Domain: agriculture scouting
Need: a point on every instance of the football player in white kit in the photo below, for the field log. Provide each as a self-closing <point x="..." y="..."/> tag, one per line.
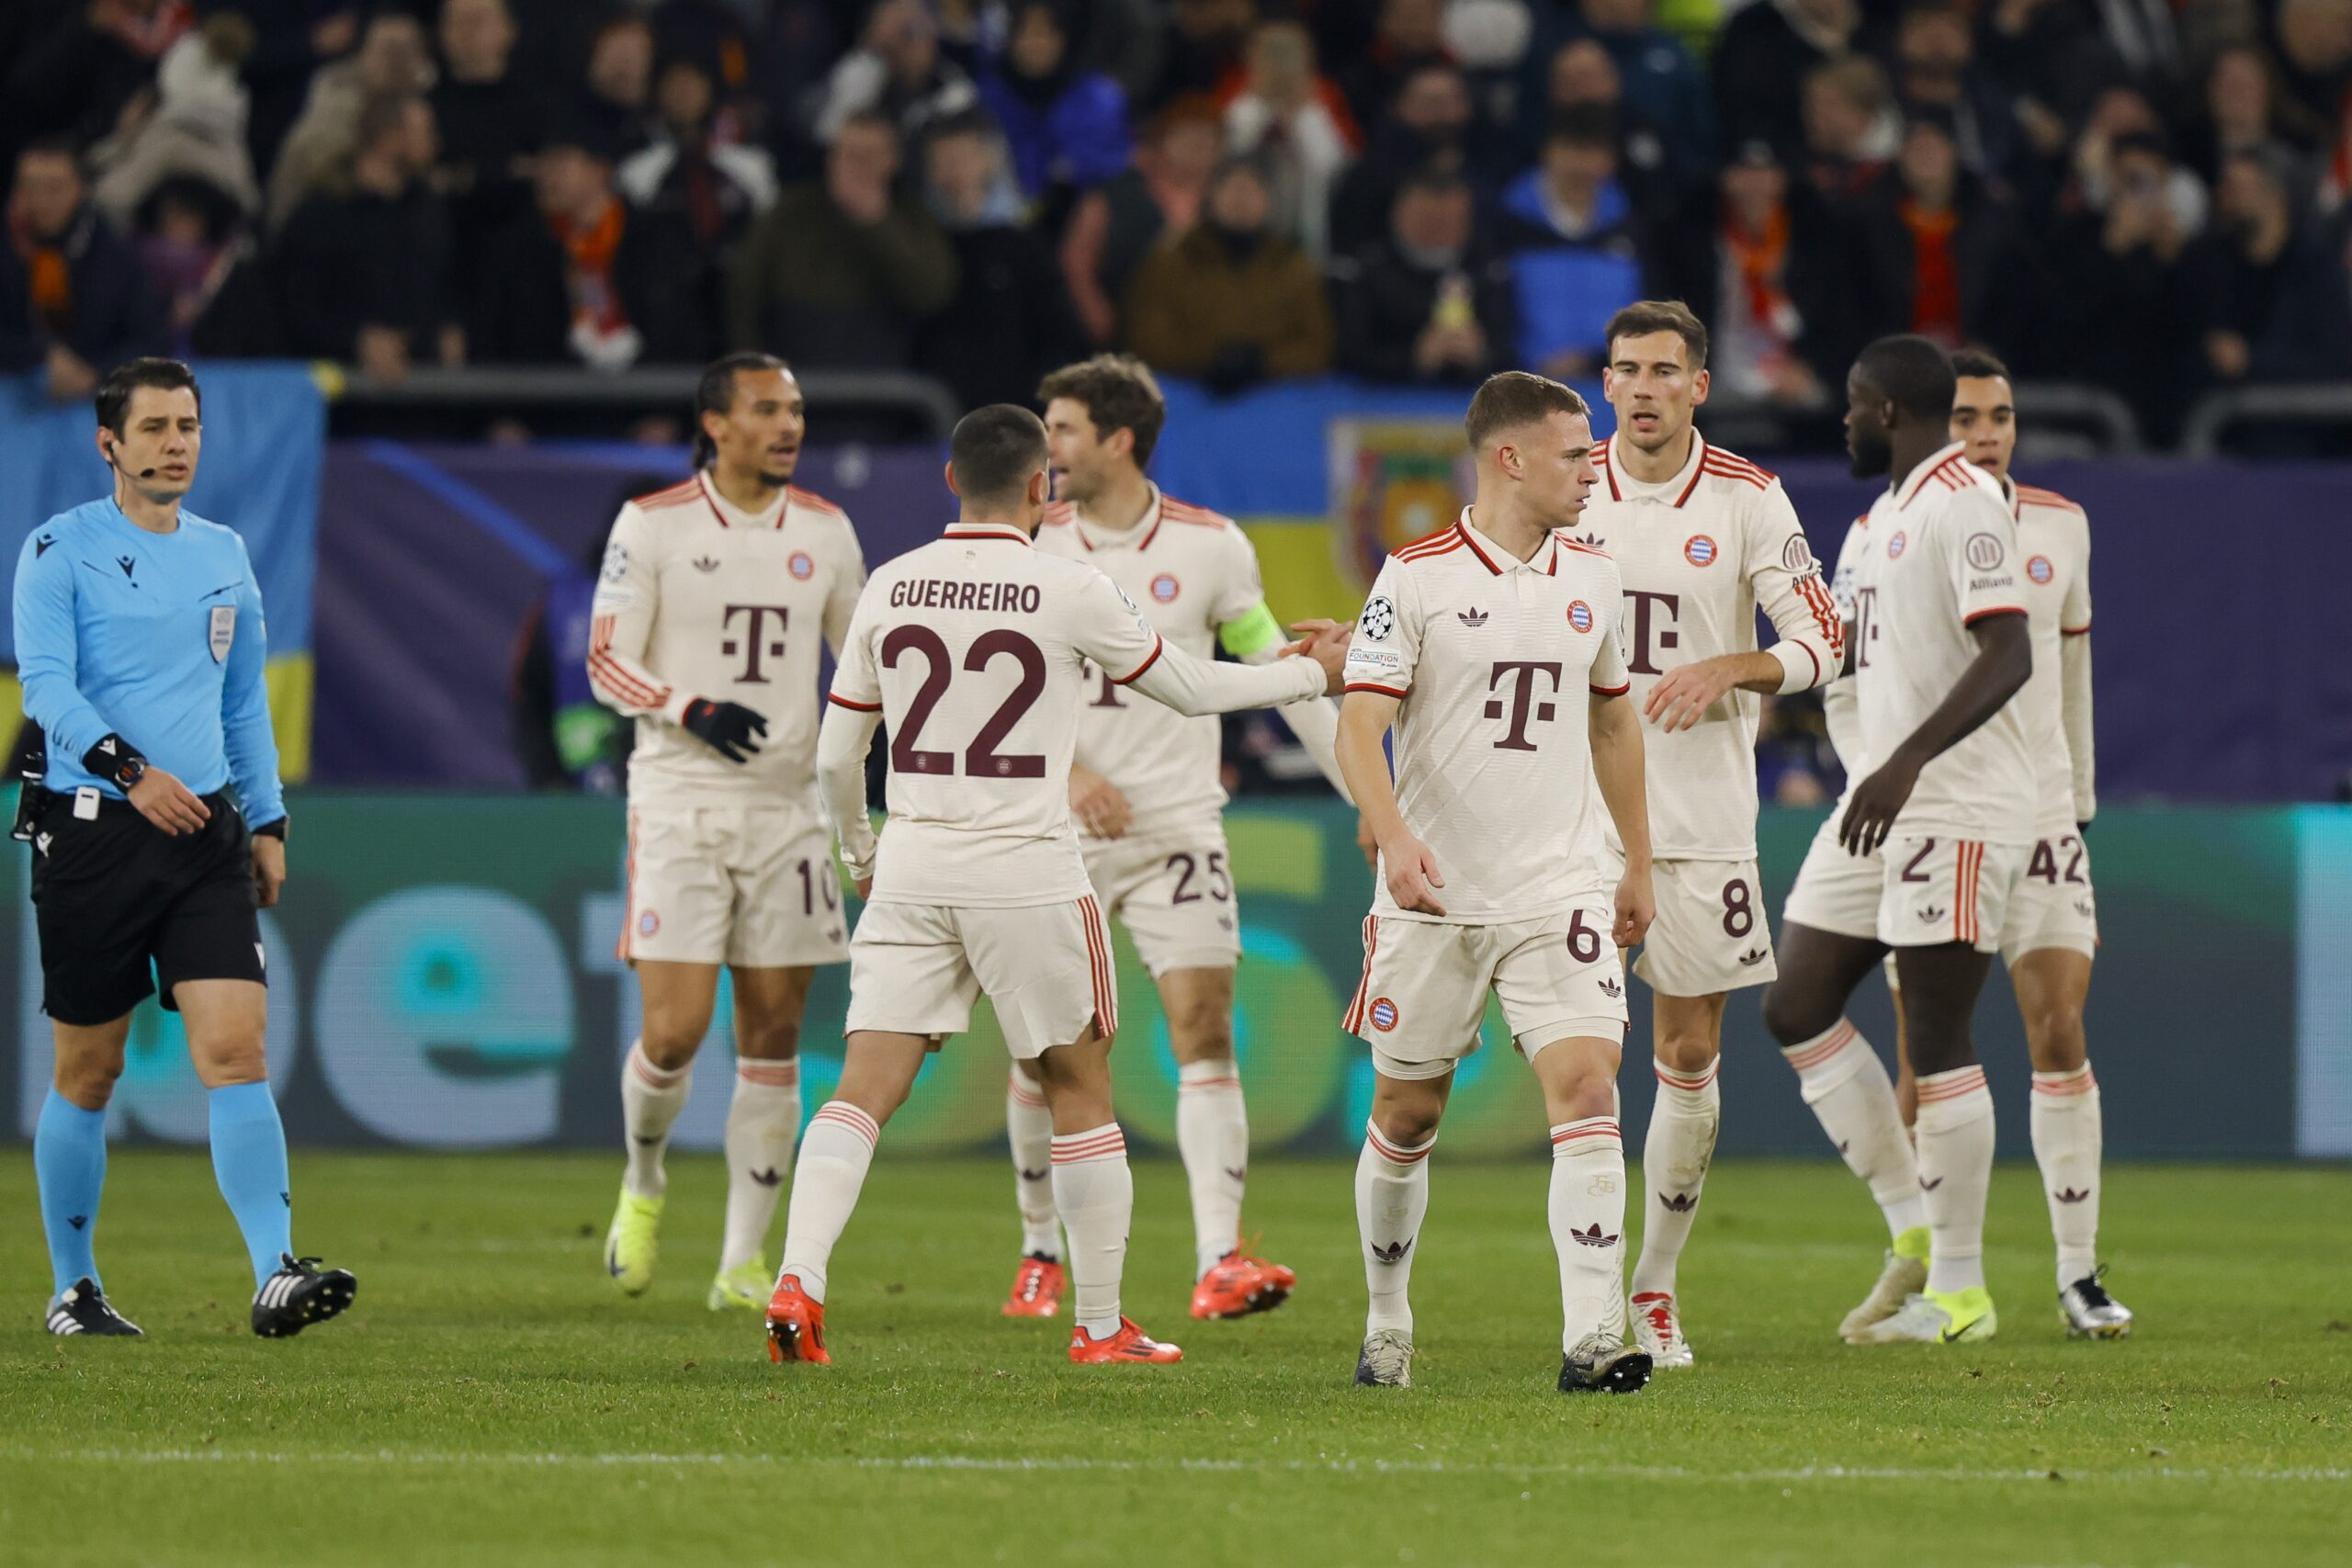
<point x="2051" y="934"/>
<point x="980" y="651"/>
<point x="1145" y="792"/>
<point x="1939" y="644"/>
<point x="1491" y="650"/>
<point x="713" y="596"/>
<point x="1702" y="539"/>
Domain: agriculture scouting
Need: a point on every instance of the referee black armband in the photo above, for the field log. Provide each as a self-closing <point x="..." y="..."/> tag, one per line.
<point x="272" y="830"/>
<point x="116" y="761"/>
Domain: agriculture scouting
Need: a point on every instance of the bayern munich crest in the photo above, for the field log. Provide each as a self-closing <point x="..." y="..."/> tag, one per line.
<point x="1895" y="545"/>
<point x="1580" y="616"/>
<point x="802" y="566"/>
<point x="647" y="923"/>
<point x="1699" y="550"/>
<point x="1382" y="1014"/>
<point x="2039" y="569"/>
<point x="1165" y="588"/>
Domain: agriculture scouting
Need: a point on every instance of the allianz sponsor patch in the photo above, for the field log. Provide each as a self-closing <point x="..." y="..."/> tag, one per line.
<point x="222" y="631"/>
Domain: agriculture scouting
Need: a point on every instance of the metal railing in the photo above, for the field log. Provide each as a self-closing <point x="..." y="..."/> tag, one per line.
<point x="500" y="389"/>
<point x="2321" y="404"/>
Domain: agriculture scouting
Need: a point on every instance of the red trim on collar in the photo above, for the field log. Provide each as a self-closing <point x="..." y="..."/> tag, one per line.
<point x="1600" y="460"/>
<point x="986" y="531"/>
<point x="1474" y="551"/>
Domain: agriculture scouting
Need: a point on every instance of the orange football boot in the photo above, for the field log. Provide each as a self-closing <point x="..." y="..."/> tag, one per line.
<point x="796" y="1326"/>
<point x="1240" y="1284"/>
<point x="1036" y="1287"/>
<point x="1130" y="1344"/>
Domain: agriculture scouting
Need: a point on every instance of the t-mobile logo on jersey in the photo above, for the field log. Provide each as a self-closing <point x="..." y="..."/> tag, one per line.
<point x="1658" y="610"/>
<point x="753" y="644"/>
<point x="1522" y="698"/>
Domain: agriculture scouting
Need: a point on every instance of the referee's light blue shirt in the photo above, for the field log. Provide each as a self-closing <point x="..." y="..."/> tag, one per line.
<point x="156" y="637"/>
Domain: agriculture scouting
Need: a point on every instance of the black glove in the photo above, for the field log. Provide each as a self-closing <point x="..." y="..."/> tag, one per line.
<point x="726" y="727"/>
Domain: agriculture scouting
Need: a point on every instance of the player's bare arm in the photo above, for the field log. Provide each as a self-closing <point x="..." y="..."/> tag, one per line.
<point x="269" y="869"/>
<point x="1100" y="806"/>
<point x="843" y="740"/>
<point x="2003" y="664"/>
<point x="1616" y="739"/>
<point x="1683" y="694"/>
<point x="1413" y="874"/>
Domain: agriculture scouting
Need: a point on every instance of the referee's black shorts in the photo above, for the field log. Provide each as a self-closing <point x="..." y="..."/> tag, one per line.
<point x="121" y="906"/>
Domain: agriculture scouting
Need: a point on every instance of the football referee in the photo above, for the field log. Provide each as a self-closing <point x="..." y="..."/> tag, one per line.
<point x="141" y="646"/>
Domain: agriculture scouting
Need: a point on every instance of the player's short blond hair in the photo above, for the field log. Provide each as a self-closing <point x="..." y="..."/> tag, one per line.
<point x="1511" y="400"/>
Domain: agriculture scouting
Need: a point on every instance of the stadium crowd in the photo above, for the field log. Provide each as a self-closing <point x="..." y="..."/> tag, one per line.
<point x="2148" y="194"/>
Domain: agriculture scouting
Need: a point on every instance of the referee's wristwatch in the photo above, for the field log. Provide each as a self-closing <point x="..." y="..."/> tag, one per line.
<point x="113" y="759"/>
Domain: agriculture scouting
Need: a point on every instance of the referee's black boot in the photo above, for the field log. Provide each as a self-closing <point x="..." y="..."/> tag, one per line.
<point x="299" y="1295"/>
<point x="83" y="1308"/>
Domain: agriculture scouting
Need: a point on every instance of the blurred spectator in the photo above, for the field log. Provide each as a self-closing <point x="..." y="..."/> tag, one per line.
<point x="1297" y="120"/>
<point x="716" y="187"/>
<point x="1851" y="130"/>
<point x="1116" y="226"/>
<point x="2310" y="331"/>
<point x="2240" y="100"/>
<point x="1663" y="87"/>
<point x="195" y="130"/>
<point x="1010" y="322"/>
<point x="1578" y="249"/>
<point x="294" y="41"/>
<point x="1408" y="35"/>
<point x="490" y="118"/>
<point x="1766" y="52"/>
<point x="200" y="261"/>
<point x="2122" y="113"/>
<point x="584" y="279"/>
<point x="2128" y="292"/>
<point x="1766" y="268"/>
<point x="1065" y="127"/>
<point x="1430" y="121"/>
<point x="393" y="57"/>
<point x="1428" y="304"/>
<point x="2053" y="58"/>
<point x="618" y="105"/>
<point x="1795" y="763"/>
<point x="837" y="274"/>
<point x="897" y="67"/>
<point x="563" y="736"/>
<point x="2244" y="259"/>
<point x="2314" y="40"/>
<point x="363" y="265"/>
<point x="1935" y="73"/>
<point x="88" y="71"/>
<point x="1946" y="255"/>
<point x="1584" y="77"/>
<point x="1233" y="302"/>
<point x="1203" y="50"/>
<point x="74" y="301"/>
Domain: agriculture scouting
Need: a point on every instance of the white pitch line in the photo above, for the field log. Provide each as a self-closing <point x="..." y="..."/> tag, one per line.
<point x="986" y="1464"/>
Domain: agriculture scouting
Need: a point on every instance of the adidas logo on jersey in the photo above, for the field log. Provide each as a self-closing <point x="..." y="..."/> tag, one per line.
<point x="1930" y="915"/>
<point x="1591" y="539"/>
<point x="1472" y="617"/>
<point x="705" y="563"/>
<point x="1754" y="955"/>
<point x="1611" y="989"/>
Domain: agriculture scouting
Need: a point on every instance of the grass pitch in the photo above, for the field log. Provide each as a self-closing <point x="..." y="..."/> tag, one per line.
<point x="492" y="1399"/>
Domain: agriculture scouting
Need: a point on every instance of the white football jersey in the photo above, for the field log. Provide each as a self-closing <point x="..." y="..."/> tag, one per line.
<point x="1191" y="571"/>
<point x="1942" y="556"/>
<point x="697" y="598"/>
<point x="2055" y="536"/>
<point x="1840" y="708"/>
<point x="979" y="652"/>
<point x="1699" y="554"/>
<point x="1494" y="659"/>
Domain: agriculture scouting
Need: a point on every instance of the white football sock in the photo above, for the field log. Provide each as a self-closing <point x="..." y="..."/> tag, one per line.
<point x="1955" y="1129"/>
<point x="2068" y="1137"/>
<point x="1392" y="1197"/>
<point x="1843" y="1081"/>
<point x="650" y="1100"/>
<point x="835" y="1155"/>
<point x="1212" y="1134"/>
<point x="763" y="1123"/>
<point x="1095" y="1193"/>
<point x="1029" y="1129"/>
<point x="1587" y="1213"/>
<point x="1675" y="1154"/>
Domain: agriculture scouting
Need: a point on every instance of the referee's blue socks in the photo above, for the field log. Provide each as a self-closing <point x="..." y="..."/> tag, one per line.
<point x="70" y="1159"/>
<point x="249" y="1162"/>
